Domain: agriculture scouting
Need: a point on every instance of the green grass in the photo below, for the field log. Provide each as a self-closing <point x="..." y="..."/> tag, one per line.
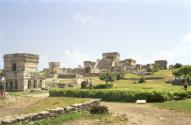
<point x="53" y="102"/>
<point x="159" y="84"/>
<point x="182" y="105"/>
<point x="61" y="119"/>
<point x="132" y="76"/>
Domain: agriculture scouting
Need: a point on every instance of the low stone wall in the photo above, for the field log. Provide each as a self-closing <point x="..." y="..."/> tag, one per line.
<point x="31" y="117"/>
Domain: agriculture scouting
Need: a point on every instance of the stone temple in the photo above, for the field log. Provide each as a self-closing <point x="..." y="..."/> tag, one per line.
<point x="19" y="69"/>
<point x="108" y="61"/>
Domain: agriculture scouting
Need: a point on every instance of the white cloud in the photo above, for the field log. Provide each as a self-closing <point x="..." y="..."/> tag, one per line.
<point x="73" y="58"/>
<point x="85" y="19"/>
<point x="187" y="38"/>
<point x="179" y="53"/>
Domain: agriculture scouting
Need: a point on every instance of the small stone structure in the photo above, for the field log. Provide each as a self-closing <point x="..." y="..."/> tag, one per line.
<point x="108" y="61"/>
<point x="129" y="62"/>
<point x="54" y="69"/>
<point x="162" y="64"/>
<point x="18" y="69"/>
<point x="31" y="117"/>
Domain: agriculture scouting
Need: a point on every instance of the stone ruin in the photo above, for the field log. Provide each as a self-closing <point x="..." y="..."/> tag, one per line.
<point x="21" y="70"/>
<point x="18" y="70"/>
<point x="110" y="62"/>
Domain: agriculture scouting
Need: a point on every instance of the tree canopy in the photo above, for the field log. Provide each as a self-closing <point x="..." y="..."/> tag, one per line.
<point x="183" y="72"/>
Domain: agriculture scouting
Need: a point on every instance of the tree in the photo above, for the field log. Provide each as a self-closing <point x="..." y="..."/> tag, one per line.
<point x="107" y="77"/>
<point x="183" y="72"/>
<point x="177" y="65"/>
<point x="156" y="68"/>
<point x="176" y="73"/>
<point x="119" y="76"/>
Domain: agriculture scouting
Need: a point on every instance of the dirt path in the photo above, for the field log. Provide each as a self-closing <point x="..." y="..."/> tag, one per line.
<point x="14" y="105"/>
<point x="148" y="115"/>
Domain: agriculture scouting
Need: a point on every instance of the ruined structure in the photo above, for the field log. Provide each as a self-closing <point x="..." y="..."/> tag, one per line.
<point x="148" y="67"/>
<point x="19" y="69"/>
<point x="54" y="69"/>
<point x="162" y="64"/>
<point x="108" y="61"/>
<point x="129" y="62"/>
<point x="89" y="64"/>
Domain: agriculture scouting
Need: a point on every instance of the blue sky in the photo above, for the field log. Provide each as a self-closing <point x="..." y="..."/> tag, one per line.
<point x="74" y="31"/>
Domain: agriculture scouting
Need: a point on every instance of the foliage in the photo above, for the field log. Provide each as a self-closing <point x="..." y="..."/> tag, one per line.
<point x="177" y="74"/>
<point x="120" y="76"/>
<point x="103" y="86"/>
<point x="178" y="65"/>
<point x="116" y="95"/>
<point x="99" y="109"/>
<point x="142" y="80"/>
<point x="108" y="77"/>
<point x="156" y="67"/>
<point x="183" y="72"/>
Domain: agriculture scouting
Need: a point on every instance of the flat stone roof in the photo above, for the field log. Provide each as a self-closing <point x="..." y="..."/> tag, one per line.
<point x="26" y="55"/>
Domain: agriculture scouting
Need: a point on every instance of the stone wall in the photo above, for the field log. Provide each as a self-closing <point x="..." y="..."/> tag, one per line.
<point x="31" y="117"/>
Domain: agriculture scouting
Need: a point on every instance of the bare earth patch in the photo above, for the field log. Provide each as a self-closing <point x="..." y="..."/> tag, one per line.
<point x="146" y="114"/>
<point x="14" y="105"/>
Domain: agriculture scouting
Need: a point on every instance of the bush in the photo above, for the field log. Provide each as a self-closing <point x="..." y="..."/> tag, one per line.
<point x="116" y="95"/>
<point x="103" y="86"/>
<point x="142" y="80"/>
<point x="182" y="94"/>
<point x="108" y="77"/>
<point x="99" y="110"/>
<point x="119" y="76"/>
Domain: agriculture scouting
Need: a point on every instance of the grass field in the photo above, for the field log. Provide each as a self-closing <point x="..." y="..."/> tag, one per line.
<point x="159" y="84"/>
<point x="182" y="105"/>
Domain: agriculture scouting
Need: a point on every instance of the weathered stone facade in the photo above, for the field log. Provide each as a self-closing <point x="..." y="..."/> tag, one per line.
<point x="108" y="61"/>
<point x="129" y="62"/>
<point x="18" y="69"/>
<point x="89" y="63"/>
<point x="54" y="70"/>
<point x="162" y="64"/>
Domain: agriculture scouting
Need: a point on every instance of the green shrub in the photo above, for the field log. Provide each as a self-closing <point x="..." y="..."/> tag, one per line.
<point x="103" y="86"/>
<point x="142" y="80"/>
<point x="116" y="95"/>
<point x="108" y="77"/>
<point x="119" y="76"/>
<point x="182" y="94"/>
<point x="99" y="109"/>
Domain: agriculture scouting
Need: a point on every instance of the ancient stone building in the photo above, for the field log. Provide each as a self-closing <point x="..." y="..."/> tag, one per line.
<point x="18" y="69"/>
<point x="138" y="66"/>
<point x="161" y="63"/>
<point x="147" y="67"/>
<point x="108" y="61"/>
<point x="54" y="69"/>
<point x="89" y="63"/>
<point x="129" y="62"/>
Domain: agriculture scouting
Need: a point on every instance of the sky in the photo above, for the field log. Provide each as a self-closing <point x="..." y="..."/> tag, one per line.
<point x="71" y="31"/>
